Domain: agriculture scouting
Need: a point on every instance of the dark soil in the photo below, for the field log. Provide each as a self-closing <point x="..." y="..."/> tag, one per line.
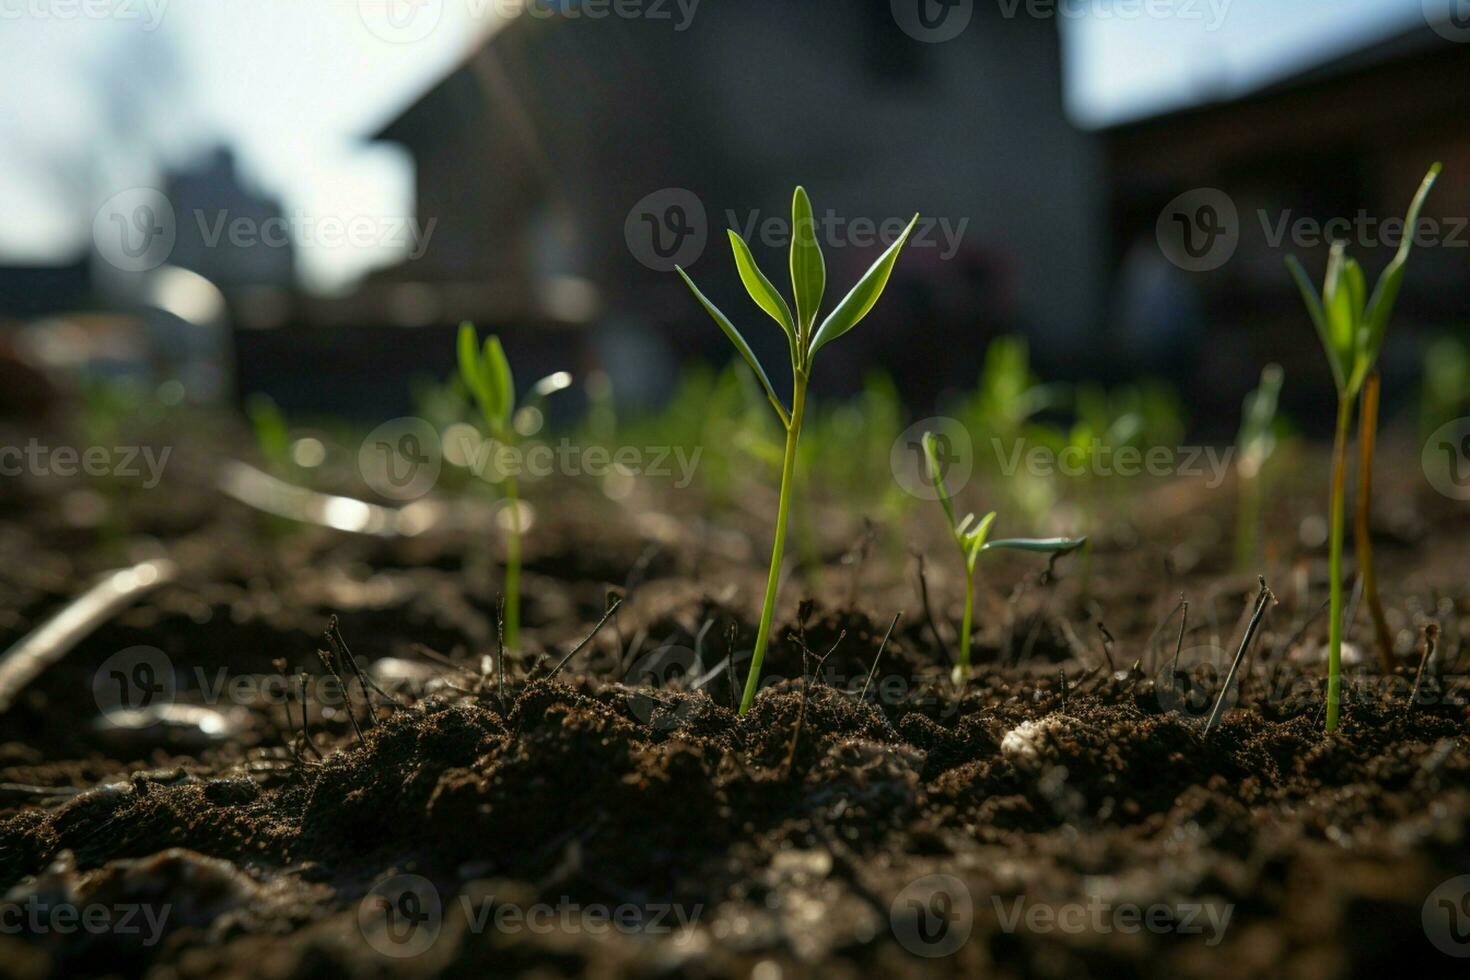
<point x="1064" y="815"/>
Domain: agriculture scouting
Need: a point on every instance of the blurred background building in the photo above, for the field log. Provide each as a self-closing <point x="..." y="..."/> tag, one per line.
<point x="343" y="186"/>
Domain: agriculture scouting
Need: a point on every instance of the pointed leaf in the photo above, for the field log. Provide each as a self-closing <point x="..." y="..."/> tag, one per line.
<point x="761" y="290"/>
<point x="974" y="542"/>
<point x="808" y="269"/>
<point x="1037" y="544"/>
<point x="863" y="296"/>
<point x="1319" y="320"/>
<point x="498" y="378"/>
<point x="740" y="345"/>
<point x="1386" y="292"/>
<point x="1337" y="300"/>
<point x="469" y="365"/>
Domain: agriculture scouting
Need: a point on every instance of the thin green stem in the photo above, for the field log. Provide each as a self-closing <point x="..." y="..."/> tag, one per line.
<point x="788" y="479"/>
<point x="969" y="619"/>
<point x="1334" y="560"/>
<point x="513" y="565"/>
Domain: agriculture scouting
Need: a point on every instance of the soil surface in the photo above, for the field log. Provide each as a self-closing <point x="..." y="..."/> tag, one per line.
<point x="1064" y="813"/>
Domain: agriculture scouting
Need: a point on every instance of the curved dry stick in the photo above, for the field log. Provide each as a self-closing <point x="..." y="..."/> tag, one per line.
<point x="55" y="638"/>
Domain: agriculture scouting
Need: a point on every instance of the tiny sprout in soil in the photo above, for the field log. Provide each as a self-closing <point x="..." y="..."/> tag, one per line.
<point x="486" y="373"/>
<point x="1351" y="326"/>
<point x="970" y="537"/>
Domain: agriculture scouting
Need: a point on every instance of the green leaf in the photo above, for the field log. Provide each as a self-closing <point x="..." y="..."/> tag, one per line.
<point x="1319" y="320"/>
<point x="761" y="290"/>
<point x="808" y="269"/>
<point x="498" y="377"/>
<point x="931" y="457"/>
<point x="1342" y="316"/>
<point x="1386" y="292"/>
<point x="740" y="345"/>
<point x="469" y="365"/>
<point x="1037" y="544"/>
<point x="863" y="296"/>
<point x="974" y="541"/>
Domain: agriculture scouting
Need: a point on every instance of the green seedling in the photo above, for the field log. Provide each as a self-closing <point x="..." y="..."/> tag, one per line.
<point x="486" y="374"/>
<point x="272" y="434"/>
<point x="1351" y="326"/>
<point x="804" y="338"/>
<point x="970" y="537"/>
<point x="1254" y="446"/>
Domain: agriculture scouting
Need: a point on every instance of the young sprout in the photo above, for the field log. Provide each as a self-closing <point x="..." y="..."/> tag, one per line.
<point x="272" y="435"/>
<point x="970" y="537"/>
<point x="804" y="337"/>
<point x="486" y="373"/>
<point x="1351" y="326"/>
<point x="1254" y="445"/>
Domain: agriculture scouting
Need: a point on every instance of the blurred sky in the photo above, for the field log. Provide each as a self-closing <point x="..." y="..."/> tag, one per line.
<point x="95" y="104"/>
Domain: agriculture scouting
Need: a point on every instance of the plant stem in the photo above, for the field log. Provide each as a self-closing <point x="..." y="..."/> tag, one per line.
<point x="788" y="478"/>
<point x="1362" y="538"/>
<point x="967" y="622"/>
<point x="513" y="565"/>
<point x="1334" y="560"/>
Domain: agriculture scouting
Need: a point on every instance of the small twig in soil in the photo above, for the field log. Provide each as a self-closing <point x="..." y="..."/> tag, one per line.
<point x="1431" y="637"/>
<point x="1183" y="626"/>
<point x="1250" y="631"/>
<point x="332" y="668"/>
<point x="500" y="653"/>
<point x="280" y="664"/>
<point x="881" y="647"/>
<point x="929" y="613"/>
<point x="339" y="646"/>
<point x="301" y="680"/>
<point x="615" y="602"/>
